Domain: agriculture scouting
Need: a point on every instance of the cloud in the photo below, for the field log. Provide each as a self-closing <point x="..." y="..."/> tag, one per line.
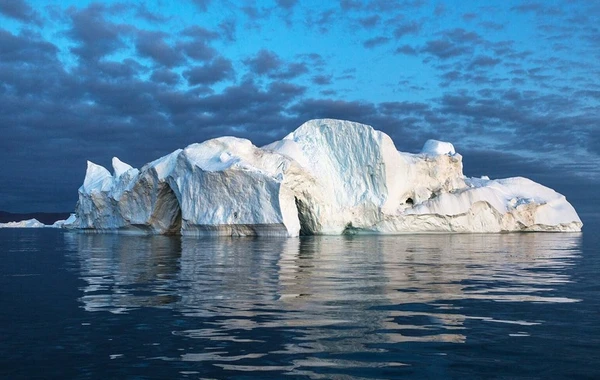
<point x="287" y="10"/>
<point x="20" y="10"/>
<point x="369" y="22"/>
<point x="255" y="14"/>
<point x="218" y="70"/>
<point x="350" y="5"/>
<point x="323" y="21"/>
<point x="385" y="6"/>
<point x="287" y="4"/>
<point x="375" y="41"/>
<point x="537" y="8"/>
<point x="165" y="76"/>
<point x="197" y="43"/>
<point x="440" y="9"/>
<point x="144" y="13"/>
<point x="453" y="43"/>
<point x="202" y="5"/>
<point x="293" y="70"/>
<point x="468" y="17"/>
<point x="410" y="3"/>
<point x="335" y="109"/>
<point x="484" y="61"/>
<point x="491" y="25"/>
<point x="380" y="6"/>
<point x="199" y="33"/>
<point x="267" y="63"/>
<point x="445" y="49"/>
<point x="593" y="142"/>
<point x="403" y="108"/>
<point x="322" y="80"/>
<point x="406" y="49"/>
<point x="127" y="69"/>
<point x="264" y="62"/>
<point x="529" y="120"/>
<point x="27" y="47"/>
<point x="315" y="60"/>
<point x="405" y="28"/>
<point x="96" y="36"/>
<point x="248" y="98"/>
<point x="228" y="29"/>
<point x="528" y="7"/>
<point x="460" y="35"/>
<point x="152" y="45"/>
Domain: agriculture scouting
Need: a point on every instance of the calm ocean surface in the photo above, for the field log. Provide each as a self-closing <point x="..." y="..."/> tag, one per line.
<point x="355" y="307"/>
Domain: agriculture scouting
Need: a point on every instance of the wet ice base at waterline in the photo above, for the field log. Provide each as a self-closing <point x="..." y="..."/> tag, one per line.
<point x="98" y="306"/>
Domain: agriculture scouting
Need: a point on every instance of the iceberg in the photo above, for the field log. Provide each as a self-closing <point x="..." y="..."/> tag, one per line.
<point x="34" y="223"/>
<point x="29" y="223"/>
<point x="327" y="177"/>
<point x="64" y="223"/>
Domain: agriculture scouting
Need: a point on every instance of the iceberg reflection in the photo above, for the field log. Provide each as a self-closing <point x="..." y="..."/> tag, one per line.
<point x="337" y="294"/>
<point x="127" y="272"/>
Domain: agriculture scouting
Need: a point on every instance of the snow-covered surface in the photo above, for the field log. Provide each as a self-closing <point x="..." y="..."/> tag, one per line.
<point x="96" y="178"/>
<point x="435" y="148"/>
<point x="34" y="223"/>
<point x="65" y="223"/>
<point x="29" y="223"/>
<point x="326" y="177"/>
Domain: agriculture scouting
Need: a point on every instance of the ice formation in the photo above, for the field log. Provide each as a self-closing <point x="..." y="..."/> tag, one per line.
<point x="64" y="223"/>
<point x="326" y="177"/>
<point x="29" y="223"/>
<point x="34" y="223"/>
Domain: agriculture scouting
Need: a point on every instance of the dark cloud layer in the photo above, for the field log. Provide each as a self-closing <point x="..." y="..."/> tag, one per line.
<point x="210" y="73"/>
<point x="109" y="86"/>
<point x="153" y="46"/>
<point x="19" y="10"/>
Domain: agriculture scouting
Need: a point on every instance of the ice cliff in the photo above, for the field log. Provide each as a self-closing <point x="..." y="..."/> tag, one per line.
<point x="326" y="177"/>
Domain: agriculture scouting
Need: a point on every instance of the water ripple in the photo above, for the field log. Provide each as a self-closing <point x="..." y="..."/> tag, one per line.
<point x="298" y="306"/>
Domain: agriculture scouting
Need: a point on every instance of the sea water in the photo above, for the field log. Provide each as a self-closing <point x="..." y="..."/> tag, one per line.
<point x="524" y="305"/>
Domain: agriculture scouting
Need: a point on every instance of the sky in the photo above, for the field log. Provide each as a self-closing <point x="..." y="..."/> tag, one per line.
<point x="514" y="85"/>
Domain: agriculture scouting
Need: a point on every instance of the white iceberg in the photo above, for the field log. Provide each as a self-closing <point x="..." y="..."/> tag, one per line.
<point x="29" y="223"/>
<point x="64" y="223"/>
<point x="34" y="223"/>
<point x="326" y="177"/>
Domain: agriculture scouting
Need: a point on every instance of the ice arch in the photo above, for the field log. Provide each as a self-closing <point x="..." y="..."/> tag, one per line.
<point x="166" y="215"/>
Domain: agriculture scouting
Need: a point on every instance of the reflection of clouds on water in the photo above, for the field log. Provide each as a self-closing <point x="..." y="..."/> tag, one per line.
<point x="334" y="295"/>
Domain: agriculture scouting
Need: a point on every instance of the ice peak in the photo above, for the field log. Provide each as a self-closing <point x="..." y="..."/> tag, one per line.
<point x="120" y="167"/>
<point x="96" y="178"/>
<point x="437" y="148"/>
<point x="332" y="126"/>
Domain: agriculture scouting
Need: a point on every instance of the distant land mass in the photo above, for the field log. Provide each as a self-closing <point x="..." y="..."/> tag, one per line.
<point x="44" y="217"/>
